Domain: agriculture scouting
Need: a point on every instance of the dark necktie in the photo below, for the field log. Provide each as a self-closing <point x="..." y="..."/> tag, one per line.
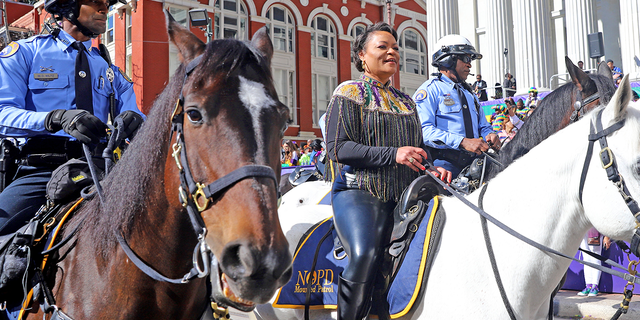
<point x="84" y="90"/>
<point x="466" y="114"/>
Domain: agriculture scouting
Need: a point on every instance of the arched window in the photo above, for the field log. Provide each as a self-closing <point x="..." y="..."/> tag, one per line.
<point x="412" y="54"/>
<point x="283" y="65"/>
<point x="230" y="20"/>
<point x="323" y="39"/>
<point x="357" y="30"/>
<point x="282" y="28"/>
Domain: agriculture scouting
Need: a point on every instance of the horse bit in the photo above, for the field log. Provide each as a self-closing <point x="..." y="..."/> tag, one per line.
<point x="197" y="200"/>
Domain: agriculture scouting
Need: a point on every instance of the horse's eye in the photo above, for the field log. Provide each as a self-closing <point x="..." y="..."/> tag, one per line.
<point x="194" y="116"/>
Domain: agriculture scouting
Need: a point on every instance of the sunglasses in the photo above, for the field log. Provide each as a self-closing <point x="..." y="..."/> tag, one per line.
<point x="465" y="59"/>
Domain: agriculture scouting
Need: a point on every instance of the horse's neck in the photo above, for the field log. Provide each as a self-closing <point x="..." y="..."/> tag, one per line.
<point x="539" y="193"/>
<point x="535" y="198"/>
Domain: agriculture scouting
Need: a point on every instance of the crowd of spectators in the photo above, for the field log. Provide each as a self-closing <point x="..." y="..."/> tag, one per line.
<point x="307" y="154"/>
<point x="507" y="119"/>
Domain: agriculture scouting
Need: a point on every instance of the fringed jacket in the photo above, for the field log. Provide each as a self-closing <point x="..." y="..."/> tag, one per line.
<point x="367" y="122"/>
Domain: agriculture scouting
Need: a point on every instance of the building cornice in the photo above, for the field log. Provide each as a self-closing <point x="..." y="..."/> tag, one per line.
<point x="411" y="14"/>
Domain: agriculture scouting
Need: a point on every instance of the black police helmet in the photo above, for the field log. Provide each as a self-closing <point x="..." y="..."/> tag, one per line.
<point x="70" y="9"/>
<point x="451" y="46"/>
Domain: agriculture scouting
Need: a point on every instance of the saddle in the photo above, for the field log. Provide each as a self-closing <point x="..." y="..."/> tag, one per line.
<point x="320" y="258"/>
<point x="23" y="253"/>
<point x="301" y="175"/>
<point x="408" y="214"/>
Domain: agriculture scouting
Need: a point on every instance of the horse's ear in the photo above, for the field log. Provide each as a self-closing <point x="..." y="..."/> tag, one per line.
<point x="189" y="46"/>
<point x="578" y="77"/>
<point x="603" y="69"/>
<point x="617" y="107"/>
<point x="262" y="42"/>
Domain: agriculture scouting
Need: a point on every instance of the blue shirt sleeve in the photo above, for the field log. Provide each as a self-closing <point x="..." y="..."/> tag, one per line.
<point x="16" y="119"/>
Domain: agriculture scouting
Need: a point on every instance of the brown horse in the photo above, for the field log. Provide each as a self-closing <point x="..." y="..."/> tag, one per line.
<point x="230" y="118"/>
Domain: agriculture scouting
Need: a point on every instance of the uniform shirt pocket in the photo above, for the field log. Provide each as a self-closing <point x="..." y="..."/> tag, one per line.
<point x="50" y="94"/>
<point x="445" y="109"/>
<point x="46" y="81"/>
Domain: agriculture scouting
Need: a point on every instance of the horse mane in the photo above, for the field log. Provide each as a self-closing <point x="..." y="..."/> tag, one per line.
<point x="547" y="119"/>
<point x="133" y="184"/>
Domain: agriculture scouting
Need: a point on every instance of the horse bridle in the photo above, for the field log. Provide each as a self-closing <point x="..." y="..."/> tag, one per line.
<point x="580" y="104"/>
<point x="608" y="161"/>
<point x="198" y="197"/>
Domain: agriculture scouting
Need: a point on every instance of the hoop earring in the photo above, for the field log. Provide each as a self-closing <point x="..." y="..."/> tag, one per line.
<point x="364" y="66"/>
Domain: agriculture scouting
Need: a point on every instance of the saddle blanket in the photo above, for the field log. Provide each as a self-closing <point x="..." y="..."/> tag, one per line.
<point x="322" y="282"/>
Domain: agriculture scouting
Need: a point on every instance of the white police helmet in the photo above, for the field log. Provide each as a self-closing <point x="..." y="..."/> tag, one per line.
<point x="450" y="46"/>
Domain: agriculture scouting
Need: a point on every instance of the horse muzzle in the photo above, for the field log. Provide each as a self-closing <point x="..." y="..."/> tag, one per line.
<point x="243" y="284"/>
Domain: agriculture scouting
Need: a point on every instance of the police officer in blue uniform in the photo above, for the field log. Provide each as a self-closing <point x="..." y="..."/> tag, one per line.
<point x="453" y="124"/>
<point x="55" y="91"/>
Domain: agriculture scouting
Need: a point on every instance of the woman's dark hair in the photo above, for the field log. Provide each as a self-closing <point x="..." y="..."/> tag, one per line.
<point x="316" y="145"/>
<point x="363" y="38"/>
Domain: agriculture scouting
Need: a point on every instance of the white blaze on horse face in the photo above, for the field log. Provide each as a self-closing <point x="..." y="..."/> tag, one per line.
<point x="255" y="98"/>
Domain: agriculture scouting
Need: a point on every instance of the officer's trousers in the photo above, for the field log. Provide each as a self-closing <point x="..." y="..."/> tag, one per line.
<point x="20" y="201"/>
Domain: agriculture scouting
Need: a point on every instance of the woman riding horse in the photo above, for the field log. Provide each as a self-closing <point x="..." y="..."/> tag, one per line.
<point x="374" y="141"/>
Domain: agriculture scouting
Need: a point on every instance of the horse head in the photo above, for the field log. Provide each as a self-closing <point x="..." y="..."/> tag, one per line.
<point x="610" y="206"/>
<point x="231" y="120"/>
<point x="589" y="93"/>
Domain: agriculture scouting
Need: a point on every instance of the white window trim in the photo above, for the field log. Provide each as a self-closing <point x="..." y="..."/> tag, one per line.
<point x="222" y="13"/>
<point x="314" y="38"/>
<point x="423" y="62"/>
<point x="289" y="27"/>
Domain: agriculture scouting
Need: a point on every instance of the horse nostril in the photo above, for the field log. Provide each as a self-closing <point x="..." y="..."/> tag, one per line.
<point x="237" y="261"/>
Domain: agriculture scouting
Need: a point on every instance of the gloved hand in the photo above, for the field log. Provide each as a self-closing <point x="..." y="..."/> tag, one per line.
<point x="80" y="124"/>
<point x="128" y="124"/>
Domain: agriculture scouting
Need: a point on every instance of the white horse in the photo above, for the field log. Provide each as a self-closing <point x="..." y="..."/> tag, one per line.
<point x="538" y="196"/>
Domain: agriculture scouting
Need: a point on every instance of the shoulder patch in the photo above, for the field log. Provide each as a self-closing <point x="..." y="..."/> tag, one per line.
<point x="420" y="95"/>
<point x="125" y="75"/>
<point x="352" y="90"/>
<point x="9" y="50"/>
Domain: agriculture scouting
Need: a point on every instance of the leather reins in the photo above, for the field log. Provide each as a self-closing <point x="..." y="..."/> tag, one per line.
<point x="198" y="197"/>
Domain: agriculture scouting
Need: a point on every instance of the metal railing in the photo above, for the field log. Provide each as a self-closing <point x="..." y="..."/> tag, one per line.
<point x="562" y="78"/>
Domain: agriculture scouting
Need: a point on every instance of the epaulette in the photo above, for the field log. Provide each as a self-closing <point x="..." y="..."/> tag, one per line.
<point x="37" y="36"/>
<point x="352" y="90"/>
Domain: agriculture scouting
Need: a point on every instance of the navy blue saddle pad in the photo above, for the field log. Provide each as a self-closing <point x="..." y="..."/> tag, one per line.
<point x="323" y="280"/>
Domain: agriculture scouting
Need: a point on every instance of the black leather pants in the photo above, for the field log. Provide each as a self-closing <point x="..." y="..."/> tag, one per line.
<point x="364" y="225"/>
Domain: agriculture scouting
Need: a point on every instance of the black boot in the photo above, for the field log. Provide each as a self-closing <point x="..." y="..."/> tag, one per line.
<point x="354" y="299"/>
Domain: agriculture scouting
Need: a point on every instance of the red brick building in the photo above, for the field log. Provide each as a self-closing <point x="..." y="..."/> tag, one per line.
<point x="312" y="41"/>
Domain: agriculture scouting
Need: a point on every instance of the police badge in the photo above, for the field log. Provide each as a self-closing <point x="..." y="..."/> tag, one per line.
<point x="110" y="75"/>
<point x="448" y="101"/>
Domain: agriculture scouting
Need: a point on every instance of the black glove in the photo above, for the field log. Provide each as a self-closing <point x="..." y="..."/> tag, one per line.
<point x="128" y="123"/>
<point x="80" y="124"/>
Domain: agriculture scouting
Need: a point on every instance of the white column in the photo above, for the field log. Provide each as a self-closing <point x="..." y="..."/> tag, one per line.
<point x="499" y="31"/>
<point x="630" y="37"/>
<point x="442" y="19"/>
<point x="581" y="21"/>
<point x="533" y="51"/>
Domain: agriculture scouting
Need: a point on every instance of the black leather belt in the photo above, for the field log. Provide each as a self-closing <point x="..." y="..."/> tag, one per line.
<point x="51" y="151"/>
